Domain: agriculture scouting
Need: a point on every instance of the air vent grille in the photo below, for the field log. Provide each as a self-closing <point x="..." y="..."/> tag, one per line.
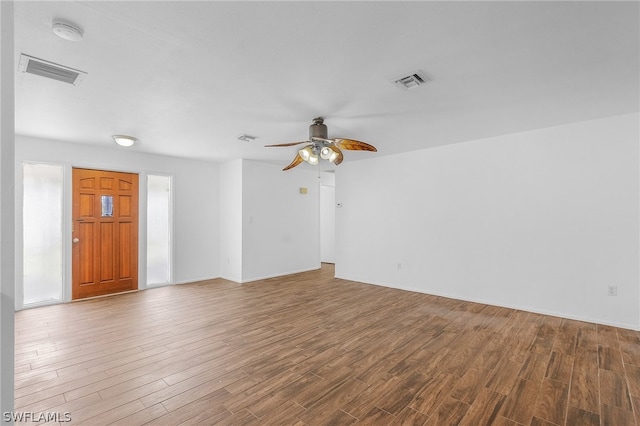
<point x="411" y="81"/>
<point x="247" y="138"/>
<point x="42" y="68"/>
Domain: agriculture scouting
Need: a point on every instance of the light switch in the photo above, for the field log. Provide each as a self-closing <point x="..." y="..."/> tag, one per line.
<point x="303" y="190"/>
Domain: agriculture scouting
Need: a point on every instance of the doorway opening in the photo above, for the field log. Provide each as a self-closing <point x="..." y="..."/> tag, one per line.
<point x="327" y="224"/>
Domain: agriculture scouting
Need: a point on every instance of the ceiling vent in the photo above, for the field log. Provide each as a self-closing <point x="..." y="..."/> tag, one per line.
<point x="47" y="69"/>
<point x="247" y="138"/>
<point x="411" y="81"/>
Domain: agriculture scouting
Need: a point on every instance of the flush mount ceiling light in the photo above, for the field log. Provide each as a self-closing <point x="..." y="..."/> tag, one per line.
<point x="124" y="140"/>
<point x="67" y="30"/>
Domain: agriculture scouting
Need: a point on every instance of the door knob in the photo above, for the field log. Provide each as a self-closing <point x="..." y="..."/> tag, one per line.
<point x="75" y="240"/>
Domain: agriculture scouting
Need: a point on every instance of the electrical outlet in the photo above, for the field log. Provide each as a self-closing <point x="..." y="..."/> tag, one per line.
<point x="613" y="290"/>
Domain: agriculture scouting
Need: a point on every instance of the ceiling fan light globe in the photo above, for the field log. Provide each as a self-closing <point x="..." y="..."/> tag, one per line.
<point x="305" y="153"/>
<point x="313" y="159"/>
<point x="334" y="155"/>
<point x="325" y="153"/>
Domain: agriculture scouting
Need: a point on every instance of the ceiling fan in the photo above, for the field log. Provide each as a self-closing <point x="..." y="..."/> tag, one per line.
<point x="322" y="147"/>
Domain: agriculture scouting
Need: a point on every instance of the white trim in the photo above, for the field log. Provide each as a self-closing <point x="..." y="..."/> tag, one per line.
<point x="67" y="235"/>
<point x="191" y="281"/>
<point x="19" y="237"/>
<point x="282" y="274"/>
<point x="7" y="207"/>
<point x="142" y="230"/>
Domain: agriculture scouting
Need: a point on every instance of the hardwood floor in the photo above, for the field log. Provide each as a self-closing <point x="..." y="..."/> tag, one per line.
<point x="311" y="349"/>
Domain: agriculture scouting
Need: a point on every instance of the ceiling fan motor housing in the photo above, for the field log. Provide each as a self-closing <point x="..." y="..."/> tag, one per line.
<point x="318" y="129"/>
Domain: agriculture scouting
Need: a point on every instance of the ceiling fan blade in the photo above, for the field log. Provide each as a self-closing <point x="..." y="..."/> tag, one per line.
<point x="353" y="145"/>
<point x="288" y="144"/>
<point x="294" y="163"/>
<point x="340" y="155"/>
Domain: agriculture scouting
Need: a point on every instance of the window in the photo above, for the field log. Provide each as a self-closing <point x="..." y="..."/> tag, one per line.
<point x="42" y="233"/>
<point x="158" y="230"/>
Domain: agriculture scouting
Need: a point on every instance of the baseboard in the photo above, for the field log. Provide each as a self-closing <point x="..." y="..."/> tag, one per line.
<point x="282" y="274"/>
<point x="195" y="280"/>
<point x="634" y="327"/>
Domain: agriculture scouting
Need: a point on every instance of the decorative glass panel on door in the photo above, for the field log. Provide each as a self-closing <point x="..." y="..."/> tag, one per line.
<point x="107" y="205"/>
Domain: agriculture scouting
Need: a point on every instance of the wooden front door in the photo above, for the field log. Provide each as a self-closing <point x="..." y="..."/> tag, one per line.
<point x="105" y="232"/>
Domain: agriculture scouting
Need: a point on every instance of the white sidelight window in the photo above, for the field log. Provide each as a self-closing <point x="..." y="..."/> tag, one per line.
<point x="158" y="230"/>
<point x="42" y="233"/>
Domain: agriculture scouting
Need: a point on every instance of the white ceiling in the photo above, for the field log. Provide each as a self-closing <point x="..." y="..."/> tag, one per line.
<point x="187" y="78"/>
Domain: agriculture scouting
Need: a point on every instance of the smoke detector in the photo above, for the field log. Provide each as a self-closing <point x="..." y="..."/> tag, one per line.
<point x="67" y="30"/>
<point x="411" y="80"/>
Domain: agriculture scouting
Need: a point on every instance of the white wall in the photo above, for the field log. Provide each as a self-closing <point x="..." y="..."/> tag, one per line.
<point x="196" y="224"/>
<point x="7" y="207"/>
<point x="543" y="221"/>
<point x="280" y="226"/>
<point x="231" y="220"/>
<point x="195" y="193"/>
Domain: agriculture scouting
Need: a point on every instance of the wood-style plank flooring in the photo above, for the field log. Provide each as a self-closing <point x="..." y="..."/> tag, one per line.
<point x="312" y="349"/>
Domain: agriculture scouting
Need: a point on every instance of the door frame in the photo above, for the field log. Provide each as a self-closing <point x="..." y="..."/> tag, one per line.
<point x="117" y="247"/>
<point x="68" y="224"/>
